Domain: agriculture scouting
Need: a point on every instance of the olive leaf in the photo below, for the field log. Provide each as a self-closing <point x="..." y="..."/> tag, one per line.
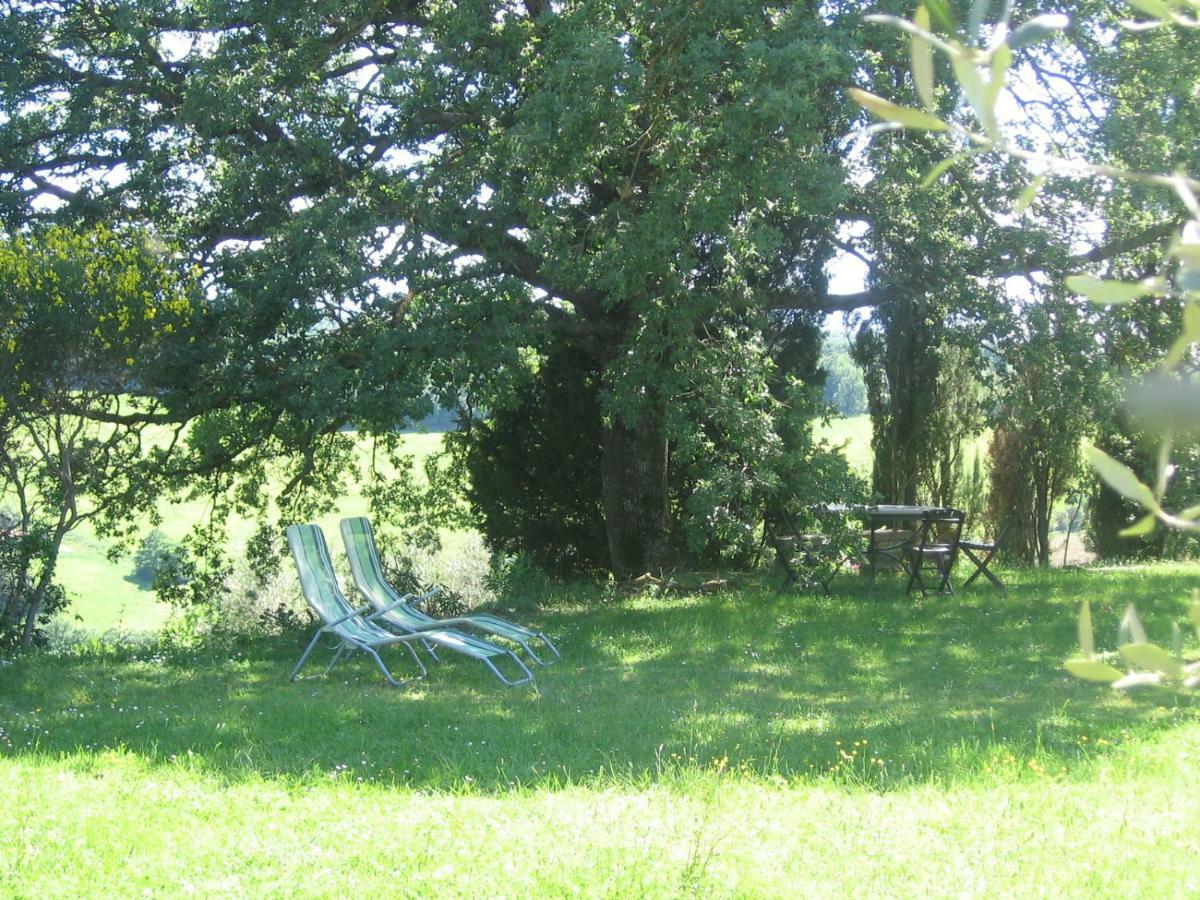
<point x="1120" y="478"/>
<point x="901" y="115"/>
<point x="921" y="52"/>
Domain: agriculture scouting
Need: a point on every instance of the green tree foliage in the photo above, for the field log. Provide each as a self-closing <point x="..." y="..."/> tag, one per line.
<point x="401" y="203"/>
<point x="393" y="202"/>
<point x="926" y="403"/>
<point x="1151" y="112"/>
<point x="86" y="320"/>
<point x="20" y="555"/>
<point x="1078" y="91"/>
<point x="937" y="257"/>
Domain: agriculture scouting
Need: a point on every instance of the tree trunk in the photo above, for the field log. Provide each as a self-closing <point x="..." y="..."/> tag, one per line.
<point x="1041" y="520"/>
<point x="10" y="615"/>
<point x="14" y="606"/>
<point x="38" y="597"/>
<point x="636" y="497"/>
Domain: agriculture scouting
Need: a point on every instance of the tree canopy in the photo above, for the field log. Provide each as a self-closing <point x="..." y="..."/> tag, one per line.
<point x="395" y="203"/>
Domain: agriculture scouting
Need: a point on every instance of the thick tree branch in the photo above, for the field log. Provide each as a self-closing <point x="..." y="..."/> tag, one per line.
<point x="1152" y="235"/>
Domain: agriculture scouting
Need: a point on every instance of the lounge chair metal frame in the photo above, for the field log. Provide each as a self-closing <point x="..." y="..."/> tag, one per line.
<point x="466" y="644"/>
<point x="379" y="617"/>
<point x="403" y="610"/>
<point x="353" y="630"/>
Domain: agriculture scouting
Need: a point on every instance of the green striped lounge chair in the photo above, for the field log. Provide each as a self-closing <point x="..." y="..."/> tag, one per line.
<point x="403" y="610"/>
<point x="351" y="629"/>
<point x="318" y="580"/>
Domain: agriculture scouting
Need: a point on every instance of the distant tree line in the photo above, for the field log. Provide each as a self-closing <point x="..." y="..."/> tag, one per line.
<point x="845" y="390"/>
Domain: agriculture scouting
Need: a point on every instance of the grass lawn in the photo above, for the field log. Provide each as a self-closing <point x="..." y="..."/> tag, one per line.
<point x="746" y="744"/>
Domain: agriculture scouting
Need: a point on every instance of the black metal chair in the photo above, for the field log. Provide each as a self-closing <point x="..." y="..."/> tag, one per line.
<point x="936" y="547"/>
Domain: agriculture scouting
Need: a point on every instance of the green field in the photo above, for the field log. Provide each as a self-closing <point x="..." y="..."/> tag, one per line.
<point x="748" y="744"/>
<point x="853" y="435"/>
<point x="105" y="598"/>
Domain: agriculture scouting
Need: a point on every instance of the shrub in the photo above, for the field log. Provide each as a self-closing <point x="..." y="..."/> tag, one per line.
<point x="518" y="578"/>
<point x="158" y="559"/>
<point x="534" y="471"/>
<point x="247" y="603"/>
<point x="463" y="574"/>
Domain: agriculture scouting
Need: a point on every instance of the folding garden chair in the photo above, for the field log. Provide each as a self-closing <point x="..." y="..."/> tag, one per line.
<point x="403" y="611"/>
<point x="350" y="628"/>
<point x="937" y="546"/>
<point x="313" y="558"/>
<point x="809" y="559"/>
<point x="980" y="554"/>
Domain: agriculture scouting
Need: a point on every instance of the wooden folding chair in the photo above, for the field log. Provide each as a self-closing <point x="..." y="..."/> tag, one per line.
<point x="980" y="554"/>
<point x="807" y="559"/>
<point x="937" y="547"/>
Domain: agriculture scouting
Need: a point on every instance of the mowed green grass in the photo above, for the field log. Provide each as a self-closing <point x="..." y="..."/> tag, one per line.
<point x="743" y="744"/>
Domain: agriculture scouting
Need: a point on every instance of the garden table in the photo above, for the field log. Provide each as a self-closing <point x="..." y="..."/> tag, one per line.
<point x="888" y="538"/>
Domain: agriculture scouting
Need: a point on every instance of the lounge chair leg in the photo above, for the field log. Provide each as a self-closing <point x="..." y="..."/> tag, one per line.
<point x="524" y="646"/>
<point x="545" y="640"/>
<point x="408" y="645"/>
<point x="537" y="659"/>
<point x="382" y="668"/>
<point x="341" y="650"/>
<point x="307" y="650"/>
<point x="981" y="567"/>
<point x="524" y="669"/>
<point x="508" y="681"/>
<point x="429" y="649"/>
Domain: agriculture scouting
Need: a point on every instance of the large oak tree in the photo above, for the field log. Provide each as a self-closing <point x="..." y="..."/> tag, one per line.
<point x="398" y="201"/>
<point x="393" y="199"/>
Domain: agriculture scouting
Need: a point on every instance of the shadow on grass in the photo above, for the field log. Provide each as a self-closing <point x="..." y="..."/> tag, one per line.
<point x="883" y="690"/>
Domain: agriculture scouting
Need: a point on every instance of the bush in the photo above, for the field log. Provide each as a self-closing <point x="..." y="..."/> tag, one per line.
<point x="518" y="578"/>
<point x="158" y="560"/>
<point x="257" y="604"/>
<point x="534" y="472"/>
<point x="247" y="603"/>
<point x="463" y="574"/>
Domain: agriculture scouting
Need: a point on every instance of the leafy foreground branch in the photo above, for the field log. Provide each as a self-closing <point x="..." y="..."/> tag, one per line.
<point x="1145" y="663"/>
